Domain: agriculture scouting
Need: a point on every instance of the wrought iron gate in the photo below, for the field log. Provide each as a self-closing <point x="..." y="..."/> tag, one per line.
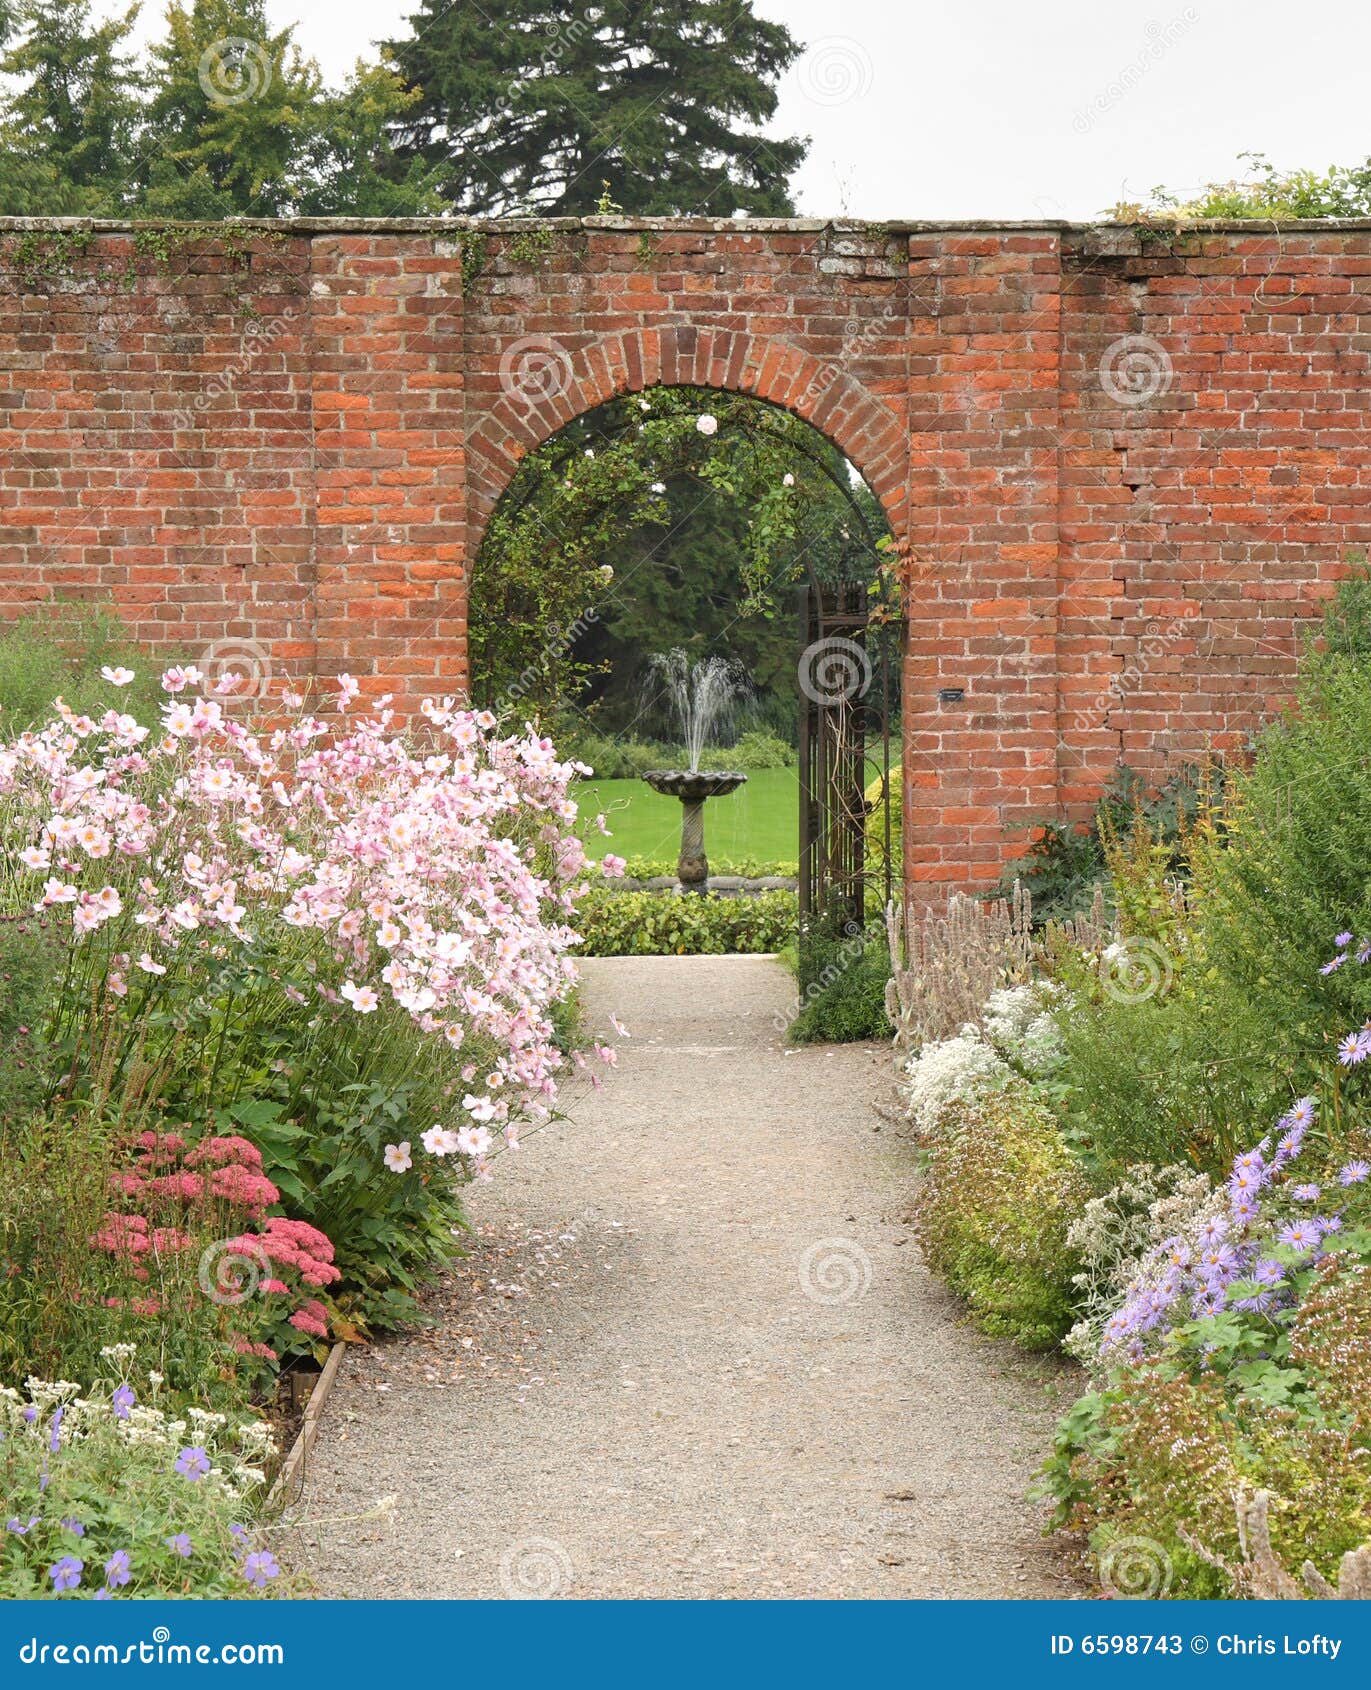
<point x="848" y="684"/>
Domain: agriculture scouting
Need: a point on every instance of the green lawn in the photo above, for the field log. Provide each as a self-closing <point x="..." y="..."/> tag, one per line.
<point x="757" y="823"/>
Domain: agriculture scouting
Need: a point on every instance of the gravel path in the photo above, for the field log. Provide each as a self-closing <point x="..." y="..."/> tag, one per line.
<point x="693" y="1351"/>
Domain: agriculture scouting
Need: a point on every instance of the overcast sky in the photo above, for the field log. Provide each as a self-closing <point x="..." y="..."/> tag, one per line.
<point x="997" y="108"/>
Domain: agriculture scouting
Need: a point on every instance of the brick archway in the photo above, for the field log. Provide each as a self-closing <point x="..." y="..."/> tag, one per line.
<point x="1129" y="468"/>
<point x="567" y="382"/>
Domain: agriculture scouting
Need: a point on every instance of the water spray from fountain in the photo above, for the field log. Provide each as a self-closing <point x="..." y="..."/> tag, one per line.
<point x="704" y="696"/>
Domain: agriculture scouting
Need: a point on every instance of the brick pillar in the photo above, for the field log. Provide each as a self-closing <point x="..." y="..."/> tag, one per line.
<point x="390" y="456"/>
<point x="982" y="607"/>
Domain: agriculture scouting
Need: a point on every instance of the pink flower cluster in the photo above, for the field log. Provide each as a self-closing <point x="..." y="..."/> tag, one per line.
<point x="435" y="870"/>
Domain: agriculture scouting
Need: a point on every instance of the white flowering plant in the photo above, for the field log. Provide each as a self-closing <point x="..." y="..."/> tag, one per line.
<point x="108" y="1494"/>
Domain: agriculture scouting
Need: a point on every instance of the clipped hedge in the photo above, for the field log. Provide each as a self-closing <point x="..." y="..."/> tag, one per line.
<point x="669" y="924"/>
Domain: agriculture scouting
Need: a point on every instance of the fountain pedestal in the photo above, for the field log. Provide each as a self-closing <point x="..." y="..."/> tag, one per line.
<point x="693" y="787"/>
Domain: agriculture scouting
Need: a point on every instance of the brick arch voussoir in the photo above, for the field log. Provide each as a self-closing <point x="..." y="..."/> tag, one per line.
<point x="866" y="430"/>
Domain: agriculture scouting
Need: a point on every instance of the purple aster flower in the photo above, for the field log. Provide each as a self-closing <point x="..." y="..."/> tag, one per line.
<point x="1255" y="1305"/>
<point x="1178" y="1252"/>
<point x="117" y="1569"/>
<point x="1352" y="1050"/>
<point x="181" y="1544"/>
<point x="1364" y="951"/>
<point x="1305" y="1193"/>
<point x="1328" y="1223"/>
<point x="1214" y="1231"/>
<point x="1206" y="1303"/>
<point x="123" y="1401"/>
<point x="1354" y="1173"/>
<point x="193" y="1463"/>
<point x="66" y="1573"/>
<point x="1300" y="1235"/>
<point x="1333" y="964"/>
<point x="259" y="1568"/>
<point x="1244" y="1210"/>
<point x="1343" y="940"/>
<point x="74" y="1527"/>
<point x="1302" y="1112"/>
<point x="1269" y="1272"/>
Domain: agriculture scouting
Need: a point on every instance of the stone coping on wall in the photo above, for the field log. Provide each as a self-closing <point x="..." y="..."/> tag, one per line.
<point x="725" y="885"/>
<point x="1102" y="227"/>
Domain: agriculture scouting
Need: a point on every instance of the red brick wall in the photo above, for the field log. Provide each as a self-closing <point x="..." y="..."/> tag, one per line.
<point x="1127" y="469"/>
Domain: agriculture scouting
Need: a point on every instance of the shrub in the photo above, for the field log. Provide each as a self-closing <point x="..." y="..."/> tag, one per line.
<point x="843" y="996"/>
<point x="674" y="924"/>
<point x="755" y="749"/>
<point x="748" y="868"/>
<point x="62" y="652"/>
<point x="112" y="1496"/>
<point x="341" y="945"/>
<point x="947" y="962"/>
<point x="1239" y="1359"/>
<point x="992" y="1213"/>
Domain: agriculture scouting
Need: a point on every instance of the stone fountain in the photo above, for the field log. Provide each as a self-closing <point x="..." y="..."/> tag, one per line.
<point x="703" y="697"/>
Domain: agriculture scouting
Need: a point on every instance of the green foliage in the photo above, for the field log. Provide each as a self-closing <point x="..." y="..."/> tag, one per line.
<point x="627" y="759"/>
<point x="1266" y="193"/>
<point x="1236" y="1402"/>
<point x="669" y="924"/>
<point x="1065" y="862"/>
<point x="843" y="1000"/>
<point x="59" y="652"/>
<point x="31" y="954"/>
<point x="749" y="868"/>
<point x="65" y="1300"/>
<point x="631" y="531"/>
<point x="109" y="1497"/>
<point x="529" y="109"/>
<point x="71" y="120"/>
<point x="992" y="1213"/>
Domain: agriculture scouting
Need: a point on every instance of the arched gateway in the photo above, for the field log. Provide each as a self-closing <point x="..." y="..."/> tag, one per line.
<point x="1125" y="465"/>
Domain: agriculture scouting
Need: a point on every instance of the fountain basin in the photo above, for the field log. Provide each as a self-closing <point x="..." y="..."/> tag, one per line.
<point x="693" y="786"/>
